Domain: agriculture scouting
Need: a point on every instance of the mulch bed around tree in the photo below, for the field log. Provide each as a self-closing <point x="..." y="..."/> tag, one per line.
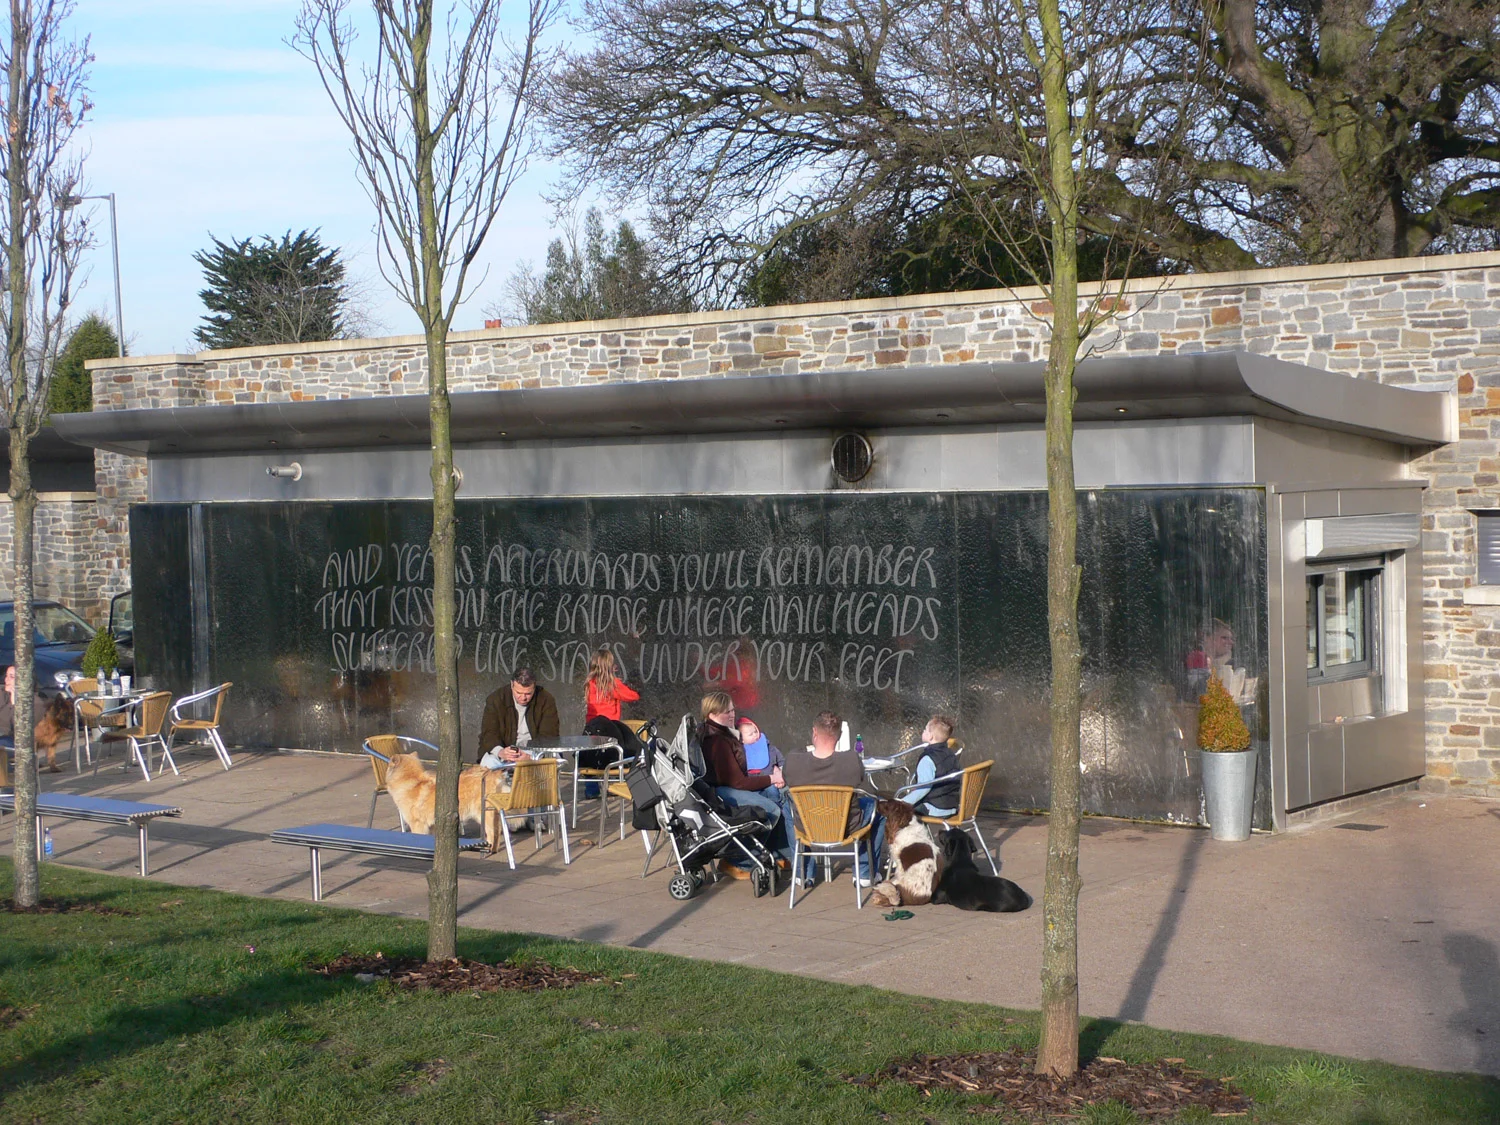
<point x="1152" y="1090"/>
<point x="64" y="906"/>
<point x="459" y="974"/>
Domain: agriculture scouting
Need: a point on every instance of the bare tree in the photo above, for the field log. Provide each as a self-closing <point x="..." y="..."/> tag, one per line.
<point x="440" y="116"/>
<point x="1032" y="170"/>
<point x="42" y="240"/>
<point x="1336" y="131"/>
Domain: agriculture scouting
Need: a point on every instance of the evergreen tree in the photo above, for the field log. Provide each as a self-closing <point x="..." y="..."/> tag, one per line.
<point x="271" y="291"/>
<point x="604" y="277"/>
<point x="72" y="386"/>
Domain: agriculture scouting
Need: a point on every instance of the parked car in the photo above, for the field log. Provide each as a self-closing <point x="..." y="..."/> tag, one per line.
<point x="62" y="638"/>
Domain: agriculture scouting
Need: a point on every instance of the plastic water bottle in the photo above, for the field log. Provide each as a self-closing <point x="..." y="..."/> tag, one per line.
<point x="859" y="745"/>
<point x="47" y="843"/>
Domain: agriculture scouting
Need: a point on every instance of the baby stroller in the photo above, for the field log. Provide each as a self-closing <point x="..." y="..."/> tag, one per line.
<point x="672" y="798"/>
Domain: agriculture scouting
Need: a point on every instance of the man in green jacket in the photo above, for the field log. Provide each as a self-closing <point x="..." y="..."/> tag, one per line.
<point x="517" y="715"/>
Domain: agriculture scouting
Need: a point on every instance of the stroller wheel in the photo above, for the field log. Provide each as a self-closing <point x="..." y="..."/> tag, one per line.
<point x="683" y="887"/>
<point x="760" y="883"/>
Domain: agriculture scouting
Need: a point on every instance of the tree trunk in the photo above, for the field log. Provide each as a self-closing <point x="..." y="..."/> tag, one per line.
<point x="1058" y="1051"/>
<point x="442" y="880"/>
<point x="23" y="496"/>
<point x="23" y="510"/>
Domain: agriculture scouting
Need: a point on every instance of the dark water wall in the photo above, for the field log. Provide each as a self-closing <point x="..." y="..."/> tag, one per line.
<point x="884" y="607"/>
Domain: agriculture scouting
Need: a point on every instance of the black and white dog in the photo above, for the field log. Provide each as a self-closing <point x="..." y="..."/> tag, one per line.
<point x="963" y="886"/>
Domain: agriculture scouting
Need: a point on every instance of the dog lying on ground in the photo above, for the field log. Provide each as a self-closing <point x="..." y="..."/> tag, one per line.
<point x="413" y="787"/>
<point x="912" y="857"/>
<point x="963" y="886"/>
<point x="52" y="726"/>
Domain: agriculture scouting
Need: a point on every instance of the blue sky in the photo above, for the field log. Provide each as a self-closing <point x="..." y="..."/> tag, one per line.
<point x="206" y="121"/>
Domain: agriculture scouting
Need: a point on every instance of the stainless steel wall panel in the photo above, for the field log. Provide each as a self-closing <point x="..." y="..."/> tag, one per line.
<point x="918" y="460"/>
<point x="1289" y="454"/>
<point x="1321" y="505"/>
<point x="950" y="459"/>
<point x="1379" y="752"/>
<point x="1380" y="501"/>
<point x="1325" y="763"/>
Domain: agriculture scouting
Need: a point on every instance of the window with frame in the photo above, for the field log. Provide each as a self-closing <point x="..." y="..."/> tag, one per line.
<point x="1487" y="541"/>
<point x="1343" y="620"/>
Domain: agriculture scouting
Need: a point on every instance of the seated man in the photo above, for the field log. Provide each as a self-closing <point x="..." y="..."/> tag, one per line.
<point x="738" y="787"/>
<point x="820" y="765"/>
<point x="516" y="715"/>
<point x="934" y="760"/>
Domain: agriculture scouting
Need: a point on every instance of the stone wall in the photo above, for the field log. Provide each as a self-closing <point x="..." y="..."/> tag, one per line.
<point x="66" y="567"/>
<point x="1430" y="323"/>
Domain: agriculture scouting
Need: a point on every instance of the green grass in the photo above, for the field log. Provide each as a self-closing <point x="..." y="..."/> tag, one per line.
<point x="167" y="1015"/>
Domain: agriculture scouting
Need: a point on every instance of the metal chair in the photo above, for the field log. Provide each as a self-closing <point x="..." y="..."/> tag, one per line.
<point x="909" y="757"/>
<point x="822" y="828"/>
<point x="153" y="713"/>
<point x="88" y="715"/>
<point x="975" y="778"/>
<point x="382" y="748"/>
<point x="533" y="792"/>
<point x="209" y="728"/>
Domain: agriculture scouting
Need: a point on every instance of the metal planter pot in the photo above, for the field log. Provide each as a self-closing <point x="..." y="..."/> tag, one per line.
<point x="1229" y="792"/>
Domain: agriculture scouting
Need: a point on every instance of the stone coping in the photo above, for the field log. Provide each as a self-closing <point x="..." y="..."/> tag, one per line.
<point x="57" y="498"/>
<point x="1175" y="283"/>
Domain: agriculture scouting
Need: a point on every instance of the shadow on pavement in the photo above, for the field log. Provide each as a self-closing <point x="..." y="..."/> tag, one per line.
<point x="1478" y="967"/>
<point x="1143" y="983"/>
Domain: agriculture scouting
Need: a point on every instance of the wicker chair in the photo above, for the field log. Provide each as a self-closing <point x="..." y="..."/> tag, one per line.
<point x="152" y="711"/>
<point x="533" y="792"/>
<point x="207" y="728"/>
<point x="382" y="748"/>
<point x="822" y="830"/>
<point x="974" y="780"/>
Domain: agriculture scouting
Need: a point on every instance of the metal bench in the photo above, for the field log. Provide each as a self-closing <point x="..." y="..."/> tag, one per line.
<point x="101" y="809"/>
<point x="371" y="841"/>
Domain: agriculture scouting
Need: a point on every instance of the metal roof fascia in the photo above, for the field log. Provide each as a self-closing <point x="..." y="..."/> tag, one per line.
<point x="1197" y="385"/>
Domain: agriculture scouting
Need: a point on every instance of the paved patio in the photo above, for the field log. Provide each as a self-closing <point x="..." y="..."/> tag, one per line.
<point x="1378" y="943"/>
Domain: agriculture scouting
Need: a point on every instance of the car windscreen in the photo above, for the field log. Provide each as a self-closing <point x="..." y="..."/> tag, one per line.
<point x="54" y="626"/>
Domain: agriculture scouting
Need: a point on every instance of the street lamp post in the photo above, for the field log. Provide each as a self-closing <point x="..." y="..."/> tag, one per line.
<point x="69" y="201"/>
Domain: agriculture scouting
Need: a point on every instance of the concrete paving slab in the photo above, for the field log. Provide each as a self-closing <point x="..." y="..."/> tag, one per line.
<point x="1381" y="943"/>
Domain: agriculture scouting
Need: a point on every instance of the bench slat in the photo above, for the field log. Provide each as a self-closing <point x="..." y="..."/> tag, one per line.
<point x="372" y="841"/>
<point x="103" y="809"/>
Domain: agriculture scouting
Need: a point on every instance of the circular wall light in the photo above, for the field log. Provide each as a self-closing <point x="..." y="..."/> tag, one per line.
<point x="852" y="457"/>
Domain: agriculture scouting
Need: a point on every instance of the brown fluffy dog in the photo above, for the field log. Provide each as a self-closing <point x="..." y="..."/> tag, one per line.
<point x="52" y="726"/>
<point x="414" y="789"/>
<point x="913" y="858"/>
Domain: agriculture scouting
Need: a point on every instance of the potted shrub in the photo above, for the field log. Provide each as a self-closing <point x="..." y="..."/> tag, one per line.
<point x="100" y="658"/>
<point x="1228" y="763"/>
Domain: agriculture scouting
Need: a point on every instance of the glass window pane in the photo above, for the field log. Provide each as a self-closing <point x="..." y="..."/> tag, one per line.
<point x="1345" y="629"/>
<point x="1314" y="592"/>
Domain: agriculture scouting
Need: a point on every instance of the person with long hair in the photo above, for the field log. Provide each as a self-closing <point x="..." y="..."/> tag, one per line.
<point x="606" y="690"/>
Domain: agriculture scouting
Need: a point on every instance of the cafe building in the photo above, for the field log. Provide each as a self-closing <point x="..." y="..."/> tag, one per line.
<point x="836" y="506"/>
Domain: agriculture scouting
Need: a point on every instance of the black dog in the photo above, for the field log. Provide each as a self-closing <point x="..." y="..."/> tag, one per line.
<point x="964" y="887"/>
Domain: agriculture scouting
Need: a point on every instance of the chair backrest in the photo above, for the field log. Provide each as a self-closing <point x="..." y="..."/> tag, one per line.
<point x="823" y="811"/>
<point x="83" y="686"/>
<point x="956" y="745"/>
<point x="380" y="748"/>
<point x="533" y="784"/>
<point x="223" y="690"/>
<point x="976" y="777"/>
<point x="154" y="709"/>
<point x="638" y="727"/>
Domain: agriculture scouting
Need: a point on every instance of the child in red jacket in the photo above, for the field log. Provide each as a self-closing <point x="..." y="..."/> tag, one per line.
<point x="606" y="691"/>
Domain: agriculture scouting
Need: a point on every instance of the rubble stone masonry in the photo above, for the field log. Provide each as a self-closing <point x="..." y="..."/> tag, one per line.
<point x="1429" y="323"/>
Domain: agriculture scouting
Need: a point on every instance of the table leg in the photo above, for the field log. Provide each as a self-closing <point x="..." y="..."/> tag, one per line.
<point x="317" y="875"/>
<point x="145" y="866"/>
